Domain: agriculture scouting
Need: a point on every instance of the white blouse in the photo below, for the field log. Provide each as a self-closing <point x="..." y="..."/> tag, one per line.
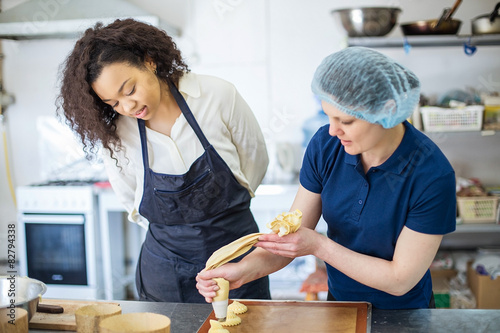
<point x="228" y="124"/>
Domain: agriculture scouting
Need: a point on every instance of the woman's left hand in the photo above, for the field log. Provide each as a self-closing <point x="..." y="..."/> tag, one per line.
<point x="300" y="243"/>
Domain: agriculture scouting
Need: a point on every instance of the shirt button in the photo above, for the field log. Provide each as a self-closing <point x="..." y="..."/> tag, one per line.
<point x="366" y="184"/>
<point x="360" y="202"/>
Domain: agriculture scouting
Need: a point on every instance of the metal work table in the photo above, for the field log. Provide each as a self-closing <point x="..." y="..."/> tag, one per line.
<point x="187" y="318"/>
<point x="435" y="320"/>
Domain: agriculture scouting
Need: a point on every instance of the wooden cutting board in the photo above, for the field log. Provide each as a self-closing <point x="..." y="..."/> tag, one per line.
<point x="59" y="321"/>
<point x="300" y="316"/>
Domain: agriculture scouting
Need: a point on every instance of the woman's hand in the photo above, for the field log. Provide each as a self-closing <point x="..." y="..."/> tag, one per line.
<point x="207" y="287"/>
<point x="274" y="253"/>
<point x="300" y="243"/>
<point x="255" y="265"/>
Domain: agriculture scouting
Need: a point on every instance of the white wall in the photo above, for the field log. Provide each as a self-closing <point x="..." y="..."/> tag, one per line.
<point x="268" y="48"/>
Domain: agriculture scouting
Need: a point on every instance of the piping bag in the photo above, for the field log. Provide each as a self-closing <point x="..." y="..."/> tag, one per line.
<point x="220" y="257"/>
<point x="220" y="301"/>
<point x="282" y="225"/>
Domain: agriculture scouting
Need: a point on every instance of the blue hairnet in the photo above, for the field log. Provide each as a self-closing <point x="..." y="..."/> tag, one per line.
<point x="368" y="85"/>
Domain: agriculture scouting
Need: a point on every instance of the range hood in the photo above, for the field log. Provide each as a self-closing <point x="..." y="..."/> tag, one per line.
<point x="39" y="19"/>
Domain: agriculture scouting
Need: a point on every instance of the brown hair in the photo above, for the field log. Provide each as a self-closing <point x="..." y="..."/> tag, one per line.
<point x="126" y="41"/>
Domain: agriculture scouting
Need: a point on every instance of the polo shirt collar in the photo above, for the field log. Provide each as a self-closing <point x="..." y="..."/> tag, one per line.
<point x="189" y="85"/>
<point x="401" y="156"/>
<point x="351" y="159"/>
<point x="404" y="153"/>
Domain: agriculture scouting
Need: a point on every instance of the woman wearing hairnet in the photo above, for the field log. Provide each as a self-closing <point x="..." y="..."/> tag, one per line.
<point x="385" y="190"/>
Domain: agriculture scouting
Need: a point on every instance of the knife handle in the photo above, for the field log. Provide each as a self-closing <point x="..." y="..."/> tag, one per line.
<point x="49" y="308"/>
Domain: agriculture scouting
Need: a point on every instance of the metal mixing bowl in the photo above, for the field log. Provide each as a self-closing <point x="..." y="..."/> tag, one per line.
<point x="367" y="21"/>
<point x="21" y="292"/>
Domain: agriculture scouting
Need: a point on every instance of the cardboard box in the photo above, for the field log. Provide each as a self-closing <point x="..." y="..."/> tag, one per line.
<point x="441" y="290"/>
<point x="486" y="290"/>
<point x="443" y="273"/>
<point x="441" y="286"/>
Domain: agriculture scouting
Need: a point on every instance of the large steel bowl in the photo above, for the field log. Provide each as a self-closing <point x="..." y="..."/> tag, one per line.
<point x="367" y="21"/>
<point x="21" y="292"/>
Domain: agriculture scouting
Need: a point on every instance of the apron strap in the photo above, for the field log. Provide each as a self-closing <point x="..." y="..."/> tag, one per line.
<point x="144" y="144"/>
<point x="181" y="102"/>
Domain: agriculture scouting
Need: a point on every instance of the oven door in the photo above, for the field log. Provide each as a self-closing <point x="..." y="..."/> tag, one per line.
<point x="55" y="248"/>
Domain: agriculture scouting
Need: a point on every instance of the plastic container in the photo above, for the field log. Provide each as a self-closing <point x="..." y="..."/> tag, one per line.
<point x="478" y="209"/>
<point x="436" y="119"/>
<point x="492" y="117"/>
<point x="486" y="290"/>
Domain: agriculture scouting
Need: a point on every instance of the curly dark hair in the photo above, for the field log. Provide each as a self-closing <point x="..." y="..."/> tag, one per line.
<point x="123" y="41"/>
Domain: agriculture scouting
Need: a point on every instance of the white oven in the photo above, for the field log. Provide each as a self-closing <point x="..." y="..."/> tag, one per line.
<point x="59" y="240"/>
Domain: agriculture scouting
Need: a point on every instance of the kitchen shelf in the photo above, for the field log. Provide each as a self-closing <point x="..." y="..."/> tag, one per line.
<point x="477" y="227"/>
<point x="481" y="133"/>
<point x="426" y="41"/>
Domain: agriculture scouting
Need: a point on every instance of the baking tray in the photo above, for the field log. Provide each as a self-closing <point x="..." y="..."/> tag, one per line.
<point x="300" y="316"/>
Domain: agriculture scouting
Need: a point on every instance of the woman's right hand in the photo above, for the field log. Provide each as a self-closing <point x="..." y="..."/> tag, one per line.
<point x="207" y="287"/>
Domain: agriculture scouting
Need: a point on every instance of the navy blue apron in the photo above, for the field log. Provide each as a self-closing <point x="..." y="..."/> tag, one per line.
<point x="190" y="216"/>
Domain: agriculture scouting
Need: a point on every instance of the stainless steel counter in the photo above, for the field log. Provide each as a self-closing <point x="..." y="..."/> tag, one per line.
<point x="187" y="318"/>
<point x="436" y="321"/>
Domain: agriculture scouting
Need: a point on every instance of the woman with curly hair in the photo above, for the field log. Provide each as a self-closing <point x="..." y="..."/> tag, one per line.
<point x="183" y="152"/>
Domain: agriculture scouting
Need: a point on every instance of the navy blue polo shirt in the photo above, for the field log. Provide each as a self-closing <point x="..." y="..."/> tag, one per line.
<point x="415" y="188"/>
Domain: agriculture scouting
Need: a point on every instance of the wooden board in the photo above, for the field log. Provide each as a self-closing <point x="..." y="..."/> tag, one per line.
<point x="300" y="316"/>
<point x="59" y="321"/>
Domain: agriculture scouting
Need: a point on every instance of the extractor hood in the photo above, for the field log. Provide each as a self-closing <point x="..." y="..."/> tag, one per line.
<point x="38" y="19"/>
